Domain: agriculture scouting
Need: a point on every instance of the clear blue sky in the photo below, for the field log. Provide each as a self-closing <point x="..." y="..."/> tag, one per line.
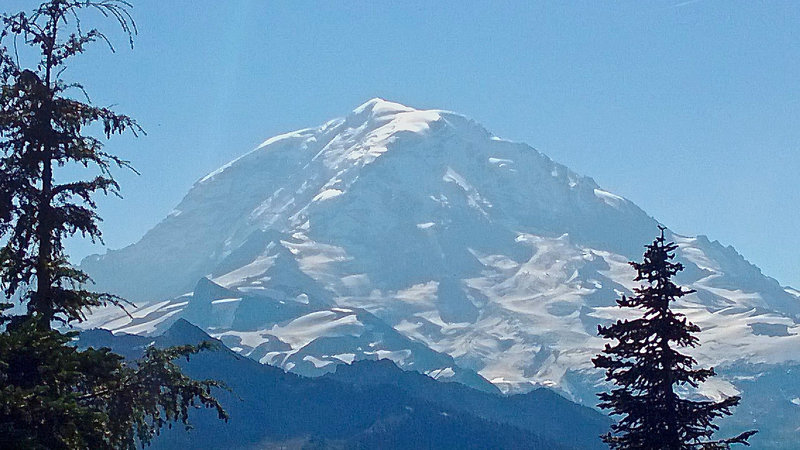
<point x="689" y="108"/>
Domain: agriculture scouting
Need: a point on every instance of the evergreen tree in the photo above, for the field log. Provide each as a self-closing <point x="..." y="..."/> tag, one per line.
<point x="646" y="367"/>
<point x="51" y="394"/>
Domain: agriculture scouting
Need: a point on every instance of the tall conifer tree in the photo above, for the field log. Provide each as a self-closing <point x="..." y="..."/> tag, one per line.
<point x="645" y="365"/>
<point x="51" y="394"/>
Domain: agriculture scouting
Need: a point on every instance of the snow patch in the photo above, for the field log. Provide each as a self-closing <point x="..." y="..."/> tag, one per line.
<point x="226" y="300"/>
<point x="327" y="194"/>
<point x="318" y="363"/>
<point x="611" y="199"/>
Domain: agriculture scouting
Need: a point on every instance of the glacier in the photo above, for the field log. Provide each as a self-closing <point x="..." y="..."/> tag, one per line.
<point x="419" y="236"/>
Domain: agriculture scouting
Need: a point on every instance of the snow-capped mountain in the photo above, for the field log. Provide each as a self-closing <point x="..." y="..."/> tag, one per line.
<point x="419" y="236"/>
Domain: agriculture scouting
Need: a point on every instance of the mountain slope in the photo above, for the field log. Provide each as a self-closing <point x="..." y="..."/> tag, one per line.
<point x="541" y="410"/>
<point x="472" y="246"/>
<point x="271" y="408"/>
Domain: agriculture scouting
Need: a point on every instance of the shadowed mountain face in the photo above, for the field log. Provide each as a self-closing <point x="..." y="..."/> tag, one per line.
<point x="420" y="237"/>
<point x="371" y="404"/>
<point x="541" y="410"/>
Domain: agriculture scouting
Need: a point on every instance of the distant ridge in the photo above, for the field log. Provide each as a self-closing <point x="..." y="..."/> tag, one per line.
<point x="270" y="408"/>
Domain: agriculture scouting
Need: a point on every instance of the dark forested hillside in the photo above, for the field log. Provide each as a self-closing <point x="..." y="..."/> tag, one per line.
<point x="370" y="404"/>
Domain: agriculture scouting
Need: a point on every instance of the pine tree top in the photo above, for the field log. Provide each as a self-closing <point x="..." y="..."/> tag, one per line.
<point x="54" y="395"/>
<point x="645" y="363"/>
<point x="44" y="123"/>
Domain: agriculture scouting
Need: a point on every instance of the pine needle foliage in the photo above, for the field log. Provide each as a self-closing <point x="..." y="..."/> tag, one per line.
<point x="41" y="129"/>
<point x="645" y="364"/>
<point x="53" y="395"/>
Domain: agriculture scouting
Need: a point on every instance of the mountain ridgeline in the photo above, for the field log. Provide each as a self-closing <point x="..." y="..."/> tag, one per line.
<point x="369" y="404"/>
<point x="419" y="237"/>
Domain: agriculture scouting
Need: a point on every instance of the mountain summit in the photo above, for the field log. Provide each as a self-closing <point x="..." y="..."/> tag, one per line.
<point x="423" y="176"/>
<point x="419" y="236"/>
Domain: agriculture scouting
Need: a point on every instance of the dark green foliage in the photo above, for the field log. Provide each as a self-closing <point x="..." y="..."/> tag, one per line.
<point x="646" y="367"/>
<point x="51" y="394"/>
<point x="41" y="128"/>
<point x="54" y="396"/>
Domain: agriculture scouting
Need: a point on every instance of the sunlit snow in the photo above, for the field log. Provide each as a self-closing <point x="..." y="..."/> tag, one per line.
<point x="419" y="236"/>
